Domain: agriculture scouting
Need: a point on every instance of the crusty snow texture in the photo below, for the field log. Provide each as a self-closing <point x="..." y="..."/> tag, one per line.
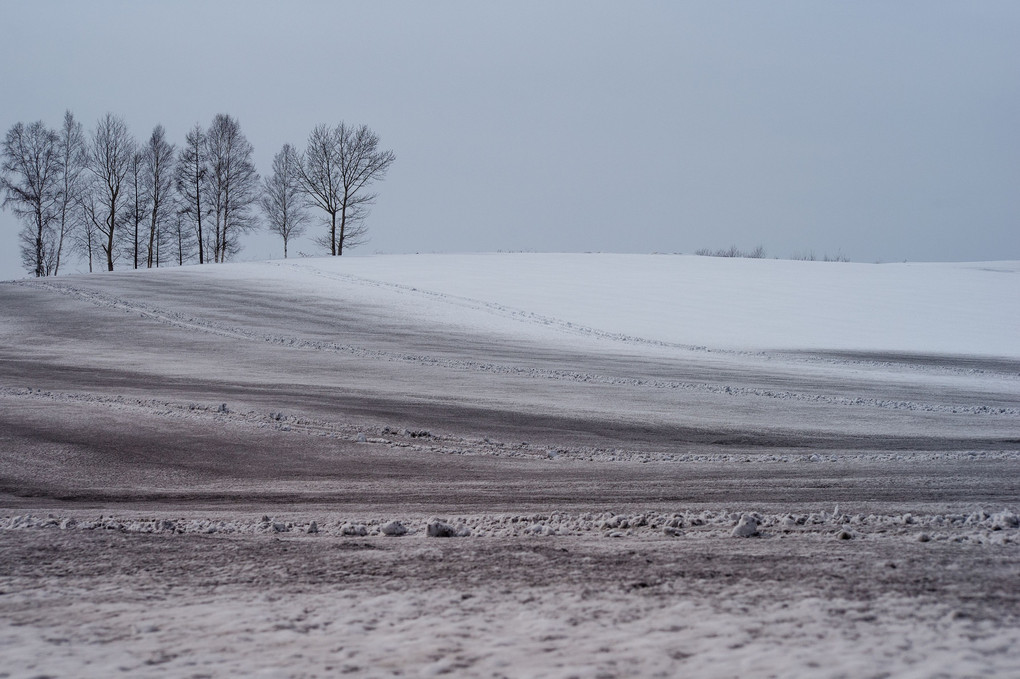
<point x="512" y="465"/>
<point x="978" y="527"/>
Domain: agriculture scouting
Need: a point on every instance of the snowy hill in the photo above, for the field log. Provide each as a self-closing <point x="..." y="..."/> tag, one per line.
<point x="718" y="303"/>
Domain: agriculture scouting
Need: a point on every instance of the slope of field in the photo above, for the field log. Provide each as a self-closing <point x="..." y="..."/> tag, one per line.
<point x="717" y="303"/>
<point x="593" y="427"/>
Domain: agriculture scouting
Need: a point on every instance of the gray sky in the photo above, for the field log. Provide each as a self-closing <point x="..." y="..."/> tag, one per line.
<point x="882" y="131"/>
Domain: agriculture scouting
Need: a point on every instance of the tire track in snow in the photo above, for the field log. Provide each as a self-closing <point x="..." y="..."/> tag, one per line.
<point x="195" y="324"/>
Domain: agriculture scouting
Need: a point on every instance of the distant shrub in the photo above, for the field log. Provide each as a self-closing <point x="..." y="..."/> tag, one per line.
<point x="810" y="257"/>
<point x="733" y="251"/>
<point x="760" y="253"/>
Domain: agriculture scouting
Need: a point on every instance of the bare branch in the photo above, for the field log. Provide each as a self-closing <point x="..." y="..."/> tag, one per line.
<point x="337" y="166"/>
<point x="282" y="201"/>
<point x="111" y="152"/>
<point x="30" y="181"/>
<point x="232" y="185"/>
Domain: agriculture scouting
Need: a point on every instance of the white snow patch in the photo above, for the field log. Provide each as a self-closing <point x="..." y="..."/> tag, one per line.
<point x="938" y="308"/>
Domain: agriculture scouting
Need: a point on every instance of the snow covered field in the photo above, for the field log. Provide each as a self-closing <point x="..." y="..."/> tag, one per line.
<point x="718" y="303"/>
<point x="592" y="429"/>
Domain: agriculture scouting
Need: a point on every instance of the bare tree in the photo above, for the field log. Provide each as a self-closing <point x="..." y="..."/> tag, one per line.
<point x="158" y="160"/>
<point x="320" y="176"/>
<point x="86" y="237"/>
<point x="111" y="151"/>
<point x="137" y="207"/>
<point x="73" y="160"/>
<point x="232" y="185"/>
<point x="339" y="165"/>
<point x="93" y="217"/>
<point x="30" y="180"/>
<point x="192" y="169"/>
<point x="162" y="249"/>
<point x="282" y="201"/>
<point x="182" y="242"/>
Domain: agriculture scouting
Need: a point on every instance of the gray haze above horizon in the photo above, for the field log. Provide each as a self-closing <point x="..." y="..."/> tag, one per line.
<point x="879" y="131"/>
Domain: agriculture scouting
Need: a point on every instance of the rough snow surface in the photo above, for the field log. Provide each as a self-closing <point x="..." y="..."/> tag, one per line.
<point x="182" y="600"/>
<point x="512" y="465"/>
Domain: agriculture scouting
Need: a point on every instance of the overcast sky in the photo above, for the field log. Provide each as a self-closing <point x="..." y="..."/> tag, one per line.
<point x="878" y="130"/>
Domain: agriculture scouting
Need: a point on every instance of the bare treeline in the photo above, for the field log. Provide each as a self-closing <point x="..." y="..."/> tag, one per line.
<point x="107" y="199"/>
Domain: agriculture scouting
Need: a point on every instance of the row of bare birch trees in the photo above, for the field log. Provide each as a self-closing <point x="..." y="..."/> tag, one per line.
<point x="105" y="199"/>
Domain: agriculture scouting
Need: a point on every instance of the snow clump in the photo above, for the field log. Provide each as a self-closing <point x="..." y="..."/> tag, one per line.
<point x="747" y="527"/>
<point x="358" y="530"/>
<point x="1004" y="519"/>
<point x="394" y="528"/>
<point x="437" y="528"/>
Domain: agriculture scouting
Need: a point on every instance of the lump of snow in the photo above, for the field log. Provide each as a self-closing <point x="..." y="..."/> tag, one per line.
<point x="362" y="438"/>
<point x="353" y="529"/>
<point x="437" y="528"/>
<point x="394" y="528"/>
<point x="1005" y="519"/>
<point x="923" y="537"/>
<point x="747" y="527"/>
<point x="976" y="517"/>
<point x="617" y="521"/>
<point x="68" y="523"/>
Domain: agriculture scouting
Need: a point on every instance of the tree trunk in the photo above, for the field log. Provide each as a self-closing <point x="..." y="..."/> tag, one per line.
<point x="109" y="253"/>
<point x="39" y="271"/>
<point x="152" y="236"/>
<point x="111" y="224"/>
<point x="198" y="212"/>
<point x="88" y="236"/>
<point x="343" y="225"/>
<point x="60" y="241"/>
<point x="226" y="217"/>
<point x="135" y="216"/>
